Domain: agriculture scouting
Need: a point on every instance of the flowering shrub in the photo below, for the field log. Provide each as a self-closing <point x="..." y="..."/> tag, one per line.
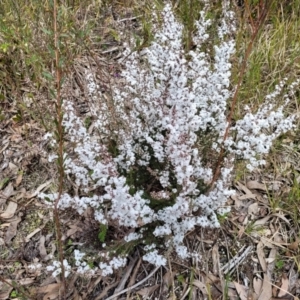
<point x="171" y="115"/>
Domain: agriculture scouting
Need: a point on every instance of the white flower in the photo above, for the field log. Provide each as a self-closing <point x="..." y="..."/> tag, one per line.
<point x="154" y="258"/>
<point x="56" y="268"/>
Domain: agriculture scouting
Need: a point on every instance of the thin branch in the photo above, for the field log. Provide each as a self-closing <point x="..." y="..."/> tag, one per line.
<point x="133" y="286"/>
<point x="59" y="115"/>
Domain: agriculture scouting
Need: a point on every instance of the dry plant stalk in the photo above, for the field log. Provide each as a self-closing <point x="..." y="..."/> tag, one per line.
<point x="59" y="114"/>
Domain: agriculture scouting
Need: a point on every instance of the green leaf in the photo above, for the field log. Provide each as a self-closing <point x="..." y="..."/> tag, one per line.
<point x="47" y="199"/>
<point x="102" y="232"/>
<point x="47" y="75"/>
<point x="181" y="279"/>
<point x="14" y="294"/>
<point x="3" y="182"/>
<point x="49" y="32"/>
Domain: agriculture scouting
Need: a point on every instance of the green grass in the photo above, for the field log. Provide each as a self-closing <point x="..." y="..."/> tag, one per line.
<point x="274" y="54"/>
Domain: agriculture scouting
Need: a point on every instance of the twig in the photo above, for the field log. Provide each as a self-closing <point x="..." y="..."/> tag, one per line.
<point x="113" y="49"/>
<point x="186" y="293"/>
<point x="60" y="132"/>
<point x="126" y="275"/>
<point x="129" y="19"/>
<point x="134" y="286"/>
<point x="236" y="260"/>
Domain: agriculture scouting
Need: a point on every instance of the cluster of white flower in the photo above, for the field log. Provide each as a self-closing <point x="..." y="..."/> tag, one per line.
<point x="35" y="268"/>
<point x="132" y="236"/>
<point x="155" y="258"/>
<point x="82" y="266"/>
<point x="114" y="264"/>
<point x="175" y="99"/>
<point x="256" y="132"/>
<point x="56" y="268"/>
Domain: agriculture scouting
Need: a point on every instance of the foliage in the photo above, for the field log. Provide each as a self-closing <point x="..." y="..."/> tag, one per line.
<point x="102" y="232"/>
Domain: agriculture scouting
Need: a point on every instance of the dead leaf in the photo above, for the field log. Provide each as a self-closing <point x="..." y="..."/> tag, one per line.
<point x="266" y="291"/>
<point x="216" y="259"/>
<point x="284" y="286"/>
<point x="241" y="290"/>
<point x="19" y="178"/>
<point x="254" y="185"/>
<point x="267" y="242"/>
<point x="47" y="281"/>
<point x="282" y="217"/>
<point x="4" y="225"/>
<point x="261" y="256"/>
<point x="42" y="248"/>
<point x="10" y="210"/>
<point x="271" y="259"/>
<point x="13" y="168"/>
<point x="294" y="245"/>
<point x="257" y="285"/>
<point x="192" y="293"/>
<point x="51" y="291"/>
<point x="21" y="194"/>
<point x="246" y="220"/>
<point x="238" y="204"/>
<point x="211" y="279"/>
<point x="262" y="221"/>
<point x="51" y="254"/>
<point x="210" y="242"/>
<point x="8" y="191"/>
<point x="270" y="244"/>
<point x="172" y="297"/>
<point x="73" y="229"/>
<point x="147" y="291"/>
<point x="26" y="281"/>
<point x="253" y="209"/>
<point x="248" y="193"/>
<point x="247" y="197"/>
<point x="168" y="278"/>
<point x="201" y="286"/>
<point x="5" y="291"/>
<point x="11" y="230"/>
<point x="76" y="296"/>
<point x="31" y="234"/>
<point x="232" y="294"/>
<point x="105" y="291"/>
<point x="241" y="231"/>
